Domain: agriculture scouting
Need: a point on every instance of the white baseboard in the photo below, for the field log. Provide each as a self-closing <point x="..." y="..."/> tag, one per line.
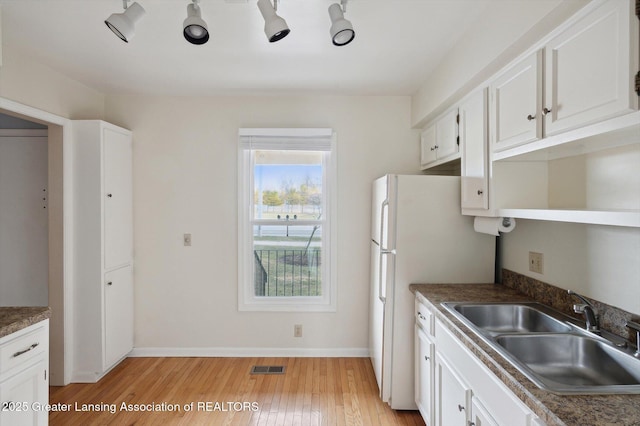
<point x="251" y="352"/>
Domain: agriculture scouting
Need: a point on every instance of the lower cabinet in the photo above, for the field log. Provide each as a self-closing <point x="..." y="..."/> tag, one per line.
<point x="424" y="371"/>
<point x="24" y="376"/>
<point x="454" y="388"/>
<point x="453" y="394"/>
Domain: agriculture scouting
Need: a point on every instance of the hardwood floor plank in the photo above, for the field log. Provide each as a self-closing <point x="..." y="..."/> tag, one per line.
<point x="221" y="391"/>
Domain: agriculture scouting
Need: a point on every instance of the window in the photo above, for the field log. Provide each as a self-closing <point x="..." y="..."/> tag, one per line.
<point x="286" y="220"/>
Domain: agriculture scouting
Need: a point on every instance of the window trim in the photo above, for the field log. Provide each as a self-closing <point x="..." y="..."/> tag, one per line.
<point x="300" y="139"/>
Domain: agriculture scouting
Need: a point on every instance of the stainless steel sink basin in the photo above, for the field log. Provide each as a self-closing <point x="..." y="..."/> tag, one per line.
<point x="569" y="362"/>
<point x="499" y="318"/>
<point x="552" y="349"/>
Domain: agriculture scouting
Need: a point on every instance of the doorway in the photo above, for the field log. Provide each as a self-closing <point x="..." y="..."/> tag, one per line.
<point x="39" y="244"/>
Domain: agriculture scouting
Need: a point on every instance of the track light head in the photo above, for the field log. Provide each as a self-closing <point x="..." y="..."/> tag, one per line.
<point x="275" y="27"/>
<point x="124" y="24"/>
<point x="341" y="30"/>
<point x="194" y="28"/>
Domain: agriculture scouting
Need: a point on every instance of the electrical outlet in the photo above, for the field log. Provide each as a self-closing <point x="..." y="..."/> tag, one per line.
<point x="536" y="262"/>
<point x="297" y="330"/>
<point x="187" y="240"/>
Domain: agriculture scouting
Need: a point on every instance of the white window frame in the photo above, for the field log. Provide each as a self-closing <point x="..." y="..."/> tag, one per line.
<point x="312" y="139"/>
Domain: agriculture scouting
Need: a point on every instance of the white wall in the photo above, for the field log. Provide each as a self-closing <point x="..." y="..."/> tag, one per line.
<point x="24" y="220"/>
<point x="31" y="83"/>
<point x="185" y="173"/>
<point x="601" y="262"/>
<point x="505" y="30"/>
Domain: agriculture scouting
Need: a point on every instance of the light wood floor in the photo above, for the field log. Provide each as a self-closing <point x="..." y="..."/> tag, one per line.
<point x="313" y="391"/>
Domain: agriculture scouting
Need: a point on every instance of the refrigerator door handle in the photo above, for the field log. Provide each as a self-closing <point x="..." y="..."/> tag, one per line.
<point x="383" y="251"/>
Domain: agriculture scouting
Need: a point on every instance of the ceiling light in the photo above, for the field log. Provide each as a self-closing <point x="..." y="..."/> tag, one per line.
<point x="274" y="26"/>
<point x="341" y="30"/>
<point x="124" y="24"/>
<point x="195" y="29"/>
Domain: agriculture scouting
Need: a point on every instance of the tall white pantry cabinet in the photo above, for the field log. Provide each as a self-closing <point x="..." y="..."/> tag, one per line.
<point x="103" y="213"/>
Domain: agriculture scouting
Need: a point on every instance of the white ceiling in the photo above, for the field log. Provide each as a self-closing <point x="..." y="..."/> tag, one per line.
<point x="397" y="44"/>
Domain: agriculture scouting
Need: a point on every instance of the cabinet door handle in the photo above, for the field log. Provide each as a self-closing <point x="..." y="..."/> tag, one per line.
<point x="546" y="111"/>
<point x="109" y="195"/>
<point x="421" y="316"/>
<point x="435" y="147"/>
<point x="472" y="423"/>
<point x="24" y="351"/>
<point x="480" y="192"/>
<point x="460" y="407"/>
<point x="531" y="117"/>
<point x="426" y="358"/>
<point x="110" y="283"/>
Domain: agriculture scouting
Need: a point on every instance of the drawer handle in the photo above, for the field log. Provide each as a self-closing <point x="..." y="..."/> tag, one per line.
<point x="531" y="117"/>
<point x="426" y="358"/>
<point x="460" y="407"/>
<point x="546" y="111"/>
<point x="421" y="316"/>
<point x="24" y="351"/>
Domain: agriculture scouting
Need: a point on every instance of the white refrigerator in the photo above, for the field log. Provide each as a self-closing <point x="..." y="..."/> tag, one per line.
<point x="418" y="235"/>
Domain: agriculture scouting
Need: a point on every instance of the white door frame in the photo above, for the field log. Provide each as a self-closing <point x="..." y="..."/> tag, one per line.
<point x="67" y="221"/>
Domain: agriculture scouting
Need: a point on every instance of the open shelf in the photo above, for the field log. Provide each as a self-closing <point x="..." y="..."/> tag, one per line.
<point x="628" y="218"/>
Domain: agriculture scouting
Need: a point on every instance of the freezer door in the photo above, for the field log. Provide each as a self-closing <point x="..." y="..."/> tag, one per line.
<point x="378" y="201"/>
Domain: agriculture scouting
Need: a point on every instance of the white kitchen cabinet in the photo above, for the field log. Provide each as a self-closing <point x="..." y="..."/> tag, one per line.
<point x="424" y="373"/>
<point x="474" y="148"/>
<point x="104" y="238"/>
<point x="118" y="307"/>
<point x="439" y="140"/>
<point x="24" y="376"/>
<point x="583" y="74"/>
<point x="516" y="101"/>
<point x="454" y="396"/>
<point x="590" y="68"/>
<point x="453" y="387"/>
<point x="479" y="415"/>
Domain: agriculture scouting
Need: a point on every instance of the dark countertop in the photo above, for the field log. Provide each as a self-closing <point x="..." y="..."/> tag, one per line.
<point x="16" y="318"/>
<point x="582" y="410"/>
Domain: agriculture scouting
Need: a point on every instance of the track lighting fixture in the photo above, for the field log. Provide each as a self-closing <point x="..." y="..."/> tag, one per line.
<point x="195" y="29"/>
<point x="341" y="30"/>
<point x="274" y="26"/>
<point x="124" y="24"/>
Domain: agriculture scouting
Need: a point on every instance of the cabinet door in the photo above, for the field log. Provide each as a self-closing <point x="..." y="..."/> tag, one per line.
<point x="447" y="134"/>
<point x="21" y="391"/>
<point x="479" y="415"/>
<point x="428" y="145"/>
<point x="424" y="367"/>
<point x="516" y="103"/>
<point x="454" y="397"/>
<point x="588" y="69"/>
<point x="118" y="315"/>
<point x="473" y="144"/>
<point x="118" y="219"/>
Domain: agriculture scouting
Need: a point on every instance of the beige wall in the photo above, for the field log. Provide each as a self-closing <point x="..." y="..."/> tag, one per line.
<point x="185" y="174"/>
<point x="28" y="82"/>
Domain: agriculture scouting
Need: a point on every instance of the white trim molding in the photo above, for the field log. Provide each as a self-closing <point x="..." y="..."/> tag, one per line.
<point x="250" y="352"/>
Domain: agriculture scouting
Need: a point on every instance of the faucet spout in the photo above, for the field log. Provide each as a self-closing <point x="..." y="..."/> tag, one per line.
<point x="590" y="313"/>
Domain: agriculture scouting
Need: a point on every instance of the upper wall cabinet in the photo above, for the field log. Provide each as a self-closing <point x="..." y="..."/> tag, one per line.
<point x="590" y="68"/>
<point x="439" y="140"/>
<point x="516" y="99"/>
<point x="474" y="151"/>
<point x="582" y="75"/>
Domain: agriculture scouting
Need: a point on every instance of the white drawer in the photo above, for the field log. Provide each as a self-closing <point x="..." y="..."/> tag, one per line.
<point x="26" y="345"/>
<point x="424" y="318"/>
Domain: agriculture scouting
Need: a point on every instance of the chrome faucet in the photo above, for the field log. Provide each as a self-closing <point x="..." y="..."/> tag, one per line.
<point x="635" y="327"/>
<point x="590" y="312"/>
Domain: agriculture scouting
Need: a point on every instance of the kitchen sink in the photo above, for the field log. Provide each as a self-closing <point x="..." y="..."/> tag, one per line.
<point x="552" y="349"/>
<point x="498" y="318"/>
<point x="566" y="363"/>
